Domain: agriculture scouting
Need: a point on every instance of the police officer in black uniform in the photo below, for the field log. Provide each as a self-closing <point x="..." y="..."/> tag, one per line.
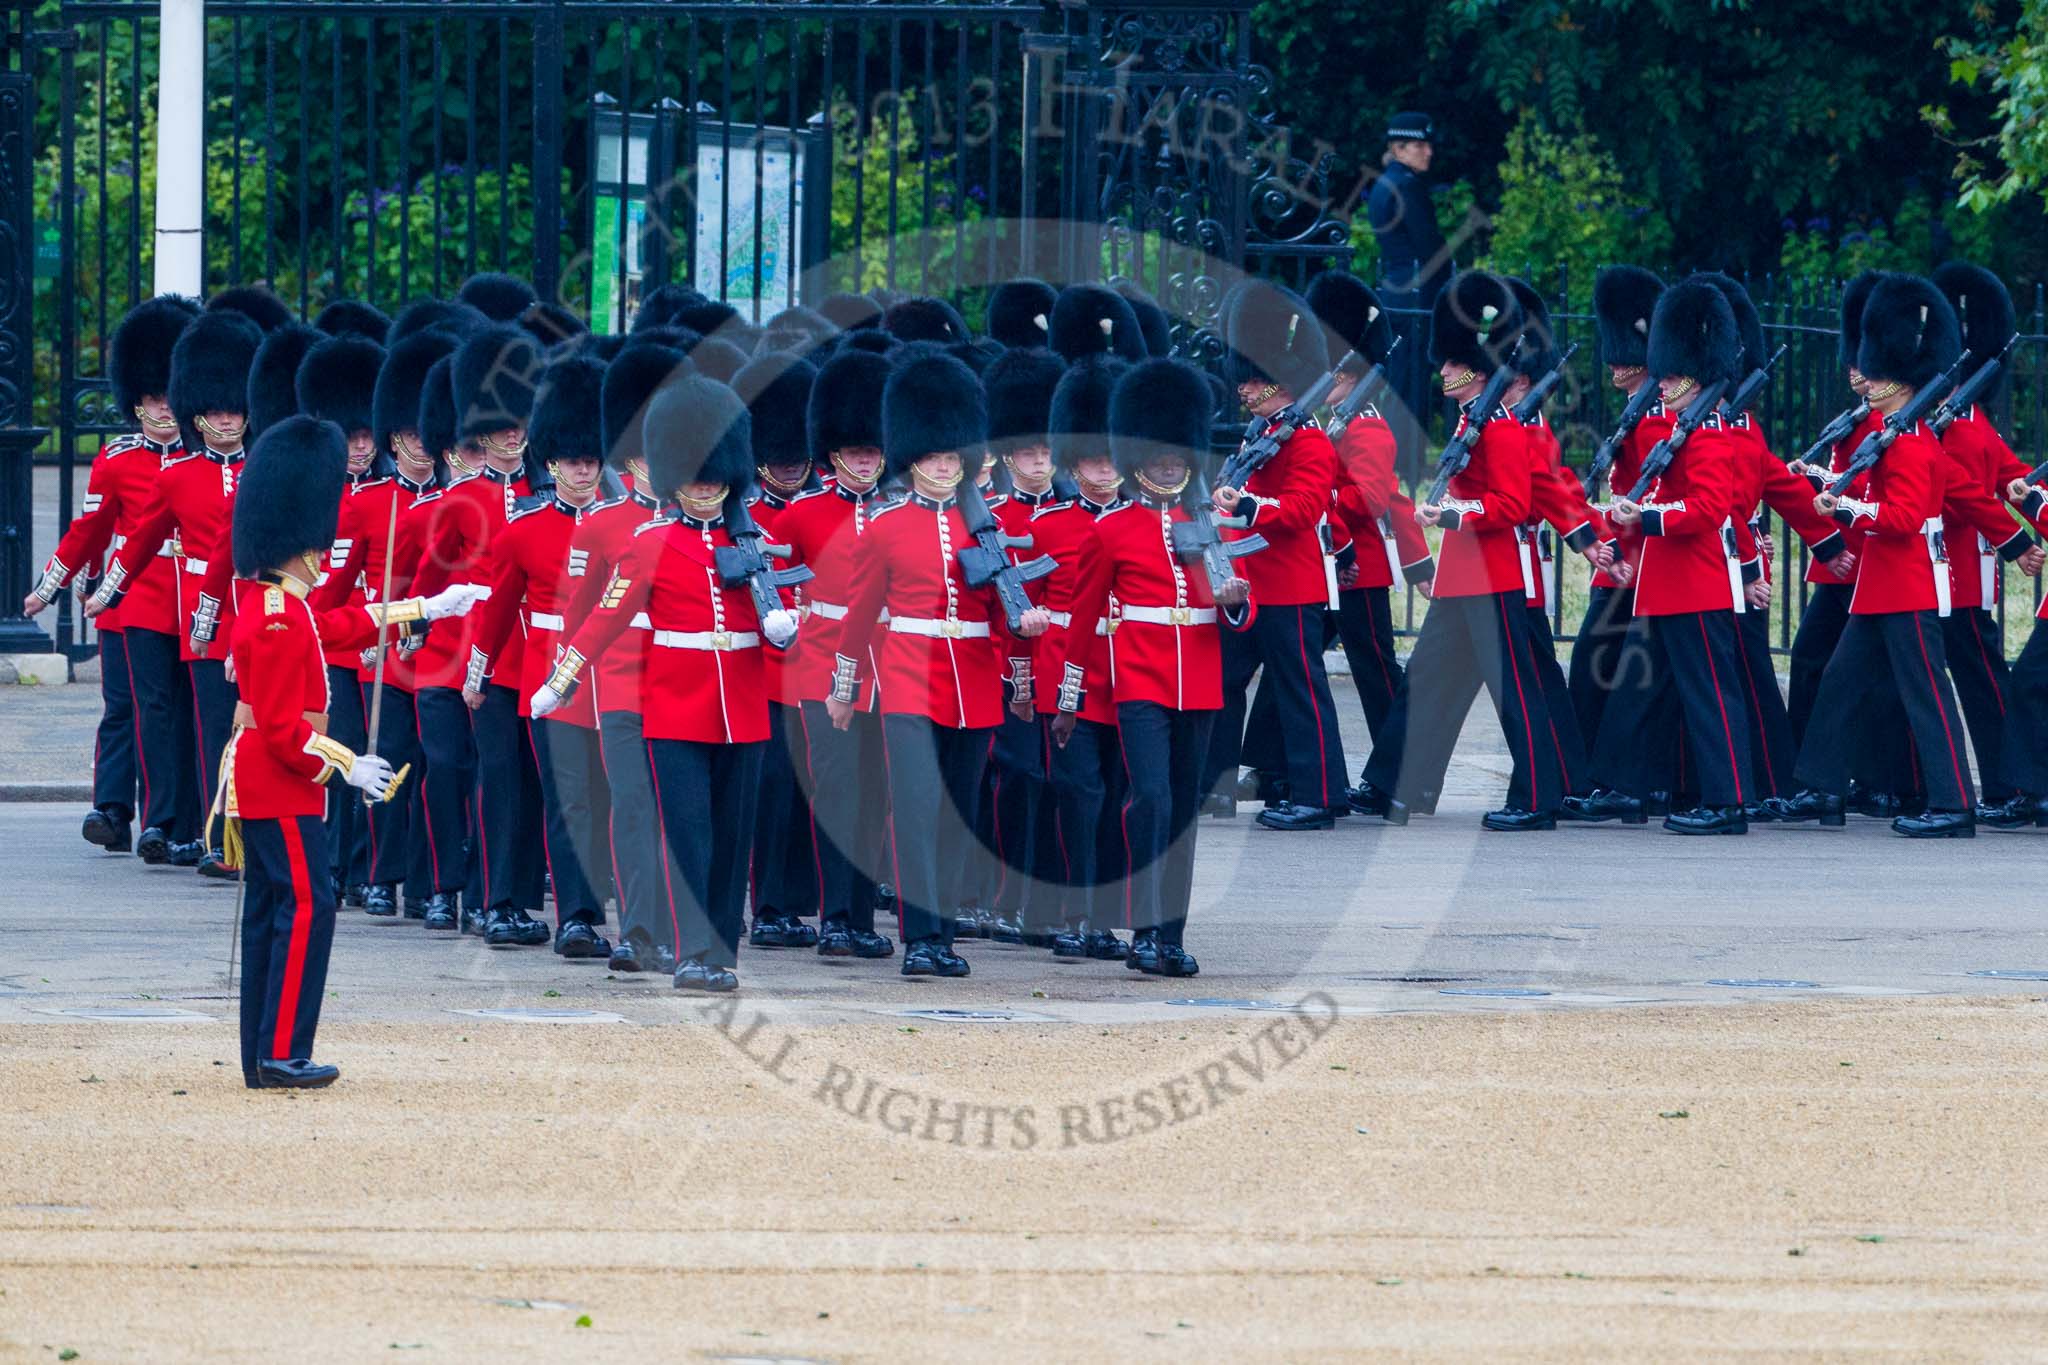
<point x="1414" y="264"/>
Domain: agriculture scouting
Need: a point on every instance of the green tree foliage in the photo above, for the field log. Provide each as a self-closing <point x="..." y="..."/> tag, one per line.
<point x="1565" y="208"/>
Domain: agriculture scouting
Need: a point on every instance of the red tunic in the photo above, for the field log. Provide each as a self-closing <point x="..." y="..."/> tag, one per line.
<point x="1761" y="478"/>
<point x="1554" y="497"/>
<point x="276" y="764"/>
<point x="355" y="565"/>
<point x="1655" y="425"/>
<point x="1987" y="465"/>
<point x="1484" y="504"/>
<point x="1066" y="531"/>
<point x="767" y="510"/>
<point x="1388" y="546"/>
<point x="529" y="588"/>
<point x="454" y="547"/>
<point x="1287" y="500"/>
<point x="190" y="515"/>
<point x="1689" y="559"/>
<point x="824" y="529"/>
<point x="1852" y="536"/>
<point x="600" y="541"/>
<point x="118" y="494"/>
<point x="1897" y="508"/>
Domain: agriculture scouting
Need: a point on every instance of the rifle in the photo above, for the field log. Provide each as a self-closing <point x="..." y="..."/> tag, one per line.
<point x="1457" y="452"/>
<point x="1965" y="396"/>
<point x="1631" y="417"/>
<point x="1195" y="541"/>
<point x="1744" y="398"/>
<point x="1265" y="436"/>
<point x="1844" y="422"/>
<point x="987" y="562"/>
<point x="1363" y="392"/>
<point x="1665" y="451"/>
<point x="745" y="561"/>
<point x="1898" y="424"/>
<point x="1532" y="401"/>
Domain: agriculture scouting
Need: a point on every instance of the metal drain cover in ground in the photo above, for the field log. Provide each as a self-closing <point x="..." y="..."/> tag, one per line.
<point x="524" y="1014"/>
<point x="1764" y="983"/>
<point x="1213" y="1002"/>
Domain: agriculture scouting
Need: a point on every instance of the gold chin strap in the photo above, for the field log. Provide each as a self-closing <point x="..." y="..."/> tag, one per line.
<point x="1882" y="392"/>
<point x="775" y="485"/>
<point x="1627" y="371"/>
<point x="703" y="509"/>
<point x="848" y="478"/>
<point x="507" y="451"/>
<point x="1681" y="391"/>
<point x="1107" y="487"/>
<point x="1160" y="490"/>
<point x="1459" y="381"/>
<point x="311" y="559"/>
<point x="152" y="424"/>
<point x="211" y="430"/>
<point x="1261" y="396"/>
<point x="933" y="481"/>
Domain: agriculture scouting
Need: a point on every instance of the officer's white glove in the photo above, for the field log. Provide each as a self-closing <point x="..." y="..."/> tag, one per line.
<point x="371" y="774"/>
<point x="454" y="601"/>
<point x="779" y="627"/>
<point x="543" y="700"/>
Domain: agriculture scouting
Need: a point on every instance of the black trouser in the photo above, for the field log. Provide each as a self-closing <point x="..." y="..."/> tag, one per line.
<point x="1976" y="664"/>
<point x="1887" y="762"/>
<point x="1695" y="676"/>
<point x="635" y="836"/>
<point x="513" y="860"/>
<point x="114" y="747"/>
<point x="1412" y="381"/>
<point x="1905" y="646"/>
<point x="704" y="797"/>
<point x="2024" y="760"/>
<point x="287" y="929"/>
<point x="1015" y="801"/>
<point x="1163" y="754"/>
<point x="392" y="823"/>
<point x="346" y="724"/>
<point x="1365" y="628"/>
<point x="447" y="795"/>
<point x="933" y="774"/>
<point x="1087" y="797"/>
<point x="213" y="716"/>
<point x="164" y="734"/>
<point x="1288" y="642"/>
<point x="1467" y="643"/>
<point x="847" y="779"/>
<point x="785" y="874"/>
<point x="1597" y="659"/>
<point x="575" y="812"/>
<point x="1567" y="742"/>
<point x="1770" y="732"/>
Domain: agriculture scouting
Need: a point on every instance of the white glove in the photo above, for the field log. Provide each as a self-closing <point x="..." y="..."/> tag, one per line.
<point x="454" y="601"/>
<point x="371" y="774"/>
<point x="779" y="627"/>
<point x="543" y="700"/>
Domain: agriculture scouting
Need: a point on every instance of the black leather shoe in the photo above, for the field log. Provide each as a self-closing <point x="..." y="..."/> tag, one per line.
<point x="215" y="866"/>
<point x="1219" y="806"/>
<point x="474" y="918"/>
<point x="1367" y="799"/>
<point x="659" y="957"/>
<point x="1104" y="946"/>
<point x="2022" y="812"/>
<point x="931" y="957"/>
<point x="1039" y="938"/>
<point x="186" y="854"/>
<point x="532" y="933"/>
<point x="1759" y="813"/>
<point x="869" y="944"/>
<point x="836" y="941"/>
<point x="1876" y="805"/>
<point x="154" y="847"/>
<point x="501" y="930"/>
<point x="581" y="940"/>
<point x="1515" y="820"/>
<point x="695" y="975"/>
<point x="104" y="831"/>
<point x="352" y="897"/>
<point x="1071" y="946"/>
<point x="1288" y="816"/>
<point x="1603" y="805"/>
<point x="1809" y="805"/>
<point x="1937" y="824"/>
<point x="294" y="1074"/>
<point x="1707" y="820"/>
<point x="414" y="907"/>
<point x="380" y="900"/>
<point x="1660" y="803"/>
<point x="625" y="958"/>
<point x="1144" y="952"/>
<point x="1396" y="813"/>
<point x="799" y="934"/>
<point x="767" y="933"/>
<point x="1003" y="929"/>
<point x="1174" y="960"/>
<point x="439" y="914"/>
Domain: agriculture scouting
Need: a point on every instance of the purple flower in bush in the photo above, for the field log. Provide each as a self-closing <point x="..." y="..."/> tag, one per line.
<point x="1818" y="224"/>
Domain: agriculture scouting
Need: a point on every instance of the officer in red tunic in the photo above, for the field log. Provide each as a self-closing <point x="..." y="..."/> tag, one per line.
<point x="530" y="587"/>
<point x="1276" y="351"/>
<point x="2025" y="756"/>
<point x="1909" y="336"/>
<point x="280" y="755"/>
<point x="1165" y="654"/>
<point x="209" y="395"/>
<point x="705" y="696"/>
<point x="844" y="770"/>
<point x="1477" y="631"/>
<point x="142" y="686"/>
<point x="942" y="659"/>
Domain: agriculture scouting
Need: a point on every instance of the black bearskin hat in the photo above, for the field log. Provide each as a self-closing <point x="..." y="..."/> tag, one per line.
<point x="420" y="314"/>
<point x="1539" y="348"/>
<point x="568" y="412"/>
<point x="1159" y="407"/>
<point x="139" y="357"/>
<point x="1475" y="322"/>
<point x="1624" y="296"/>
<point x="1080" y="409"/>
<point x="496" y="371"/>
<point x="551" y="324"/>
<point x="1093" y="319"/>
<point x="1984" y="312"/>
<point x="289" y="500"/>
<point x="1749" y="327"/>
<point x="873" y="340"/>
<point x="1347" y="306"/>
<point x="1909" y="333"/>
<point x="337" y="381"/>
<point x="210" y="367"/>
<point x="662" y="303"/>
<point x="1020" y="312"/>
<point x="1020" y="386"/>
<point x="1271" y="334"/>
<point x="395" y="405"/>
<point x="436" y="424"/>
<point x="798" y="329"/>
<point x="846" y="404"/>
<point x="777" y="391"/>
<point x="976" y="355"/>
<point x="629" y="382"/>
<point x="274" y="376"/>
<point x="1693" y="334"/>
<point x="501" y="298"/>
<point x="1153" y="323"/>
<point x="675" y="338"/>
<point x="716" y="358"/>
<point x="697" y="431"/>
<point x="851" y="312"/>
<point x="707" y="316"/>
<point x="1855" y="294"/>
<point x="932" y="403"/>
<point x="926" y="319"/>
<point x="347" y="315"/>
<point x="254" y="302"/>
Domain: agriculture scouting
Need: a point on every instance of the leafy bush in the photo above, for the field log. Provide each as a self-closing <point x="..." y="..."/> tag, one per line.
<point x="1565" y="207"/>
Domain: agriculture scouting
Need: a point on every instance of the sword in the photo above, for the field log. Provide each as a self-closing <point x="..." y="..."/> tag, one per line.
<point x="384" y="596"/>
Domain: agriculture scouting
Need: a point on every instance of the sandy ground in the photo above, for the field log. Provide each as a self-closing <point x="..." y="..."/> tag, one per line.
<point x="1812" y="1180"/>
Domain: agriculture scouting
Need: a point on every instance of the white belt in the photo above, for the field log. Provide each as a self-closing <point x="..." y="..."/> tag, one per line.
<point x="933" y="628"/>
<point x="831" y="611"/>
<point x="197" y="566"/>
<point x="1740" y="599"/>
<point x="543" y="620"/>
<point x="1943" y="597"/>
<point x="707" y="639"/>
<point x="1171" y="616"/>
<point x="640" y="621"/>
<point x="1987" y="572"/>
<point x="1061" y="618"/>
<point x="167" y="550"/>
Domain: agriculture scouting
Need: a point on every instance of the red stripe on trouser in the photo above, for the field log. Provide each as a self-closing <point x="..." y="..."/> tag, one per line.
<point x="1123" y="820"/>
<point x="1373" y="633"/>
<point x="135" y="710"/>
<point x="1564" y="769"/>
<point x="1727" y="731"/>
<point x="895" y="862"/>
<point x="426" y="808"/>
<point x="1990" y="676"/>
<point x="667" y="858"/>
<point x="1756" y="711"/>
<point x="811" y="808"/>
<point x="1934" y="695"/>
<point x="1507" y="643"/>
<point x="1308" y="680"/>
<point x="302" y="929"/>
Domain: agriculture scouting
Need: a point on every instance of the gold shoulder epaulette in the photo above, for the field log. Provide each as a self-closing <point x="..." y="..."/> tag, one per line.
<point x="273" y="601"/>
